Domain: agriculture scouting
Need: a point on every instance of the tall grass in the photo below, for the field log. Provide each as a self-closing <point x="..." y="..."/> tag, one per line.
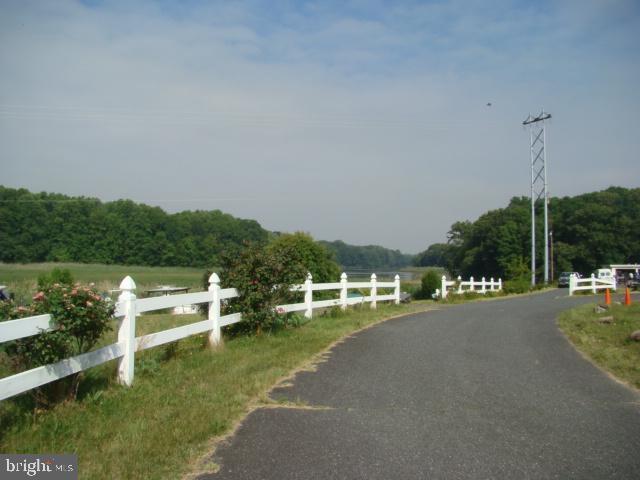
<point x="22" y="278"/>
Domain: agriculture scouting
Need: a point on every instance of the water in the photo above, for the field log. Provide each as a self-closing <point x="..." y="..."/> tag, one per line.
<point x="362" y="274"/>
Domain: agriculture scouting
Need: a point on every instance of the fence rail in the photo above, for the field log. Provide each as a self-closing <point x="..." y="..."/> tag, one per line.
<point x="482" y="286"/>
<point x="592" y="283"/>
<point x="128" y="307"/>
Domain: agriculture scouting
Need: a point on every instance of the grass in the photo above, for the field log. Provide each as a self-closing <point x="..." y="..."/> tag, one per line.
<point x="22" y="278"/>
<point x="607" y="345"/>
<point x="184" y="395"/>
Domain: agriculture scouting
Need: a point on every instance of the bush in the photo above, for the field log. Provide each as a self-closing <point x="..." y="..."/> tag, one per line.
<point x="429" y="283"/>
<point x="61" y="276"/>
<point x="80" y="317"/>
<point x="517" y="285"/>
<point x="263" y="278"/>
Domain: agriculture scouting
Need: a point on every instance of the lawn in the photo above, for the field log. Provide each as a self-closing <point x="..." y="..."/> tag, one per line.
<point x="184" y="396"/>
<point x="607" y="344"/>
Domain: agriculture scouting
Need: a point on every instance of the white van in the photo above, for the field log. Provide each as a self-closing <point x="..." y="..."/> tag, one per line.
<point x="604" y="274"/>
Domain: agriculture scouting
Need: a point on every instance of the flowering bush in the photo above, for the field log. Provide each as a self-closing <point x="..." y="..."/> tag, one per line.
<point x="80" y="317"/>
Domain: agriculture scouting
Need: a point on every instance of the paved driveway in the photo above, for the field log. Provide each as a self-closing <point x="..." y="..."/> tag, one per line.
<point x="487" y="390"/>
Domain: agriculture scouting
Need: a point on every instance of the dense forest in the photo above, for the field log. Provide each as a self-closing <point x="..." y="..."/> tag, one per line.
<point x="39" y="227"/>
<point x="50" y="227"/>
<point x="367" y="256"/>
<point x="589" y="231"/>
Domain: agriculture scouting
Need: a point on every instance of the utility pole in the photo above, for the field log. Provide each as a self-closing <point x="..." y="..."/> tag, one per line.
<point x="551" y="253"/>
<point x="538" y="159"/>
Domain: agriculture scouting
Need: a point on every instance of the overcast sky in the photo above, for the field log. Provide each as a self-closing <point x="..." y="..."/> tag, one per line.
<point x="359" y="120"/>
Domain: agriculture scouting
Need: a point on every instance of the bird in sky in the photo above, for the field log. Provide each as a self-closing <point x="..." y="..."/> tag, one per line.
<point x="489" y="104"/>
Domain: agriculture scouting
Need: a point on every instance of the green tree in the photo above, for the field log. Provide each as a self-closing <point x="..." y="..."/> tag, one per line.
<point x="314" y="257"/>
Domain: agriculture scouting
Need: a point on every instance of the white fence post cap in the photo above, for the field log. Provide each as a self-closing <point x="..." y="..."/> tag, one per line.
<point x="397" y="277"/>
<point x="127" y="283"/>
<point x="373" y="276"/>
<point x="309" y="276"/>
<point x="214" y="278"/>
<point x="459" y="278"/>
<point x="343" y="276"/>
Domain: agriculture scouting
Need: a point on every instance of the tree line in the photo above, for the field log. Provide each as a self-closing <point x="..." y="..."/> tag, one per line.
<point x="51" y="227"/>
<point x="367" y="256"/>
<point x="589" y="231"/>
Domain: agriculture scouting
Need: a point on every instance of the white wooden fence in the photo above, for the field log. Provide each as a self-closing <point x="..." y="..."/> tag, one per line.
<point x="483" y="286"/>
<point x="129" y="307"/>
<point x="592" y="283"/>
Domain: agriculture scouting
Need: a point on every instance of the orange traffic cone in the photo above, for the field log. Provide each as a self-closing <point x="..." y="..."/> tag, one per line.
<point x="607" y="297"/>
<point x="627" y="297"/>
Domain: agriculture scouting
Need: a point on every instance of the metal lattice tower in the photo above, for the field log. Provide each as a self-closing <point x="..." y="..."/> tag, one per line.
<point x="538" y="157"/>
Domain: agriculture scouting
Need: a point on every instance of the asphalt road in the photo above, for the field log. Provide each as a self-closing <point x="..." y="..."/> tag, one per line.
<point x="488" y="390"/>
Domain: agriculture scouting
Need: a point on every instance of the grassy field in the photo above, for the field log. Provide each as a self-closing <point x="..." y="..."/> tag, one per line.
<point x="607" y="344"/>
<point x="22" y="278"/>
<point x="184" y="396"/>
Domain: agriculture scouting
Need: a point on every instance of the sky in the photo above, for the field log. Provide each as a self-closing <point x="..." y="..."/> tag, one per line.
<point x="365" y="121"/>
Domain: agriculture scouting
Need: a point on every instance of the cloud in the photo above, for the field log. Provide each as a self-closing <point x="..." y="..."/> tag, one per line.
<point x="360" y="121"/>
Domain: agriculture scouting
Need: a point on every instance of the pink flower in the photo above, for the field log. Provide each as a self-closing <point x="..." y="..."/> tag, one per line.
<point x="89" y="304"/>
<point x="38" y="296"/>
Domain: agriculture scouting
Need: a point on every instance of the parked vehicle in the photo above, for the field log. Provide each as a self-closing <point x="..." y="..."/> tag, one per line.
<point x="604" y="274"/>
<point x="563" y="279"/>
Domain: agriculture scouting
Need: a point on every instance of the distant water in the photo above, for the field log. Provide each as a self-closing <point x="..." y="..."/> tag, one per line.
<point x="385" y="275"/>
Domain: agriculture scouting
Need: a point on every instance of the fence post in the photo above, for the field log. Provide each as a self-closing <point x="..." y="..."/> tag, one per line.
<point x="483" y="286"/>
<point x="459" y="284"/>
<point x="215" y="335"/>
<point x="308" y="296"/>
<point x="343" y="291"/>
<point x="572" y="283"/>
<point x="396" y="292"/>
<point x="127" y="331"/>
<point x="491" y="285"/>
<point x="593" y="283"/>
<point x="471" y="286"/>
<point x="374" y="290"/>
<point x="499" y="284"/>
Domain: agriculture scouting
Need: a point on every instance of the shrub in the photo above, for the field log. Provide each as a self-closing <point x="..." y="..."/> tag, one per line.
<point x="429" y="283"/>
<point x="263" y="278"/>
<point x="80" y="317"/>
<point x="61" y="276"/>
<point x="517" y="285"/>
